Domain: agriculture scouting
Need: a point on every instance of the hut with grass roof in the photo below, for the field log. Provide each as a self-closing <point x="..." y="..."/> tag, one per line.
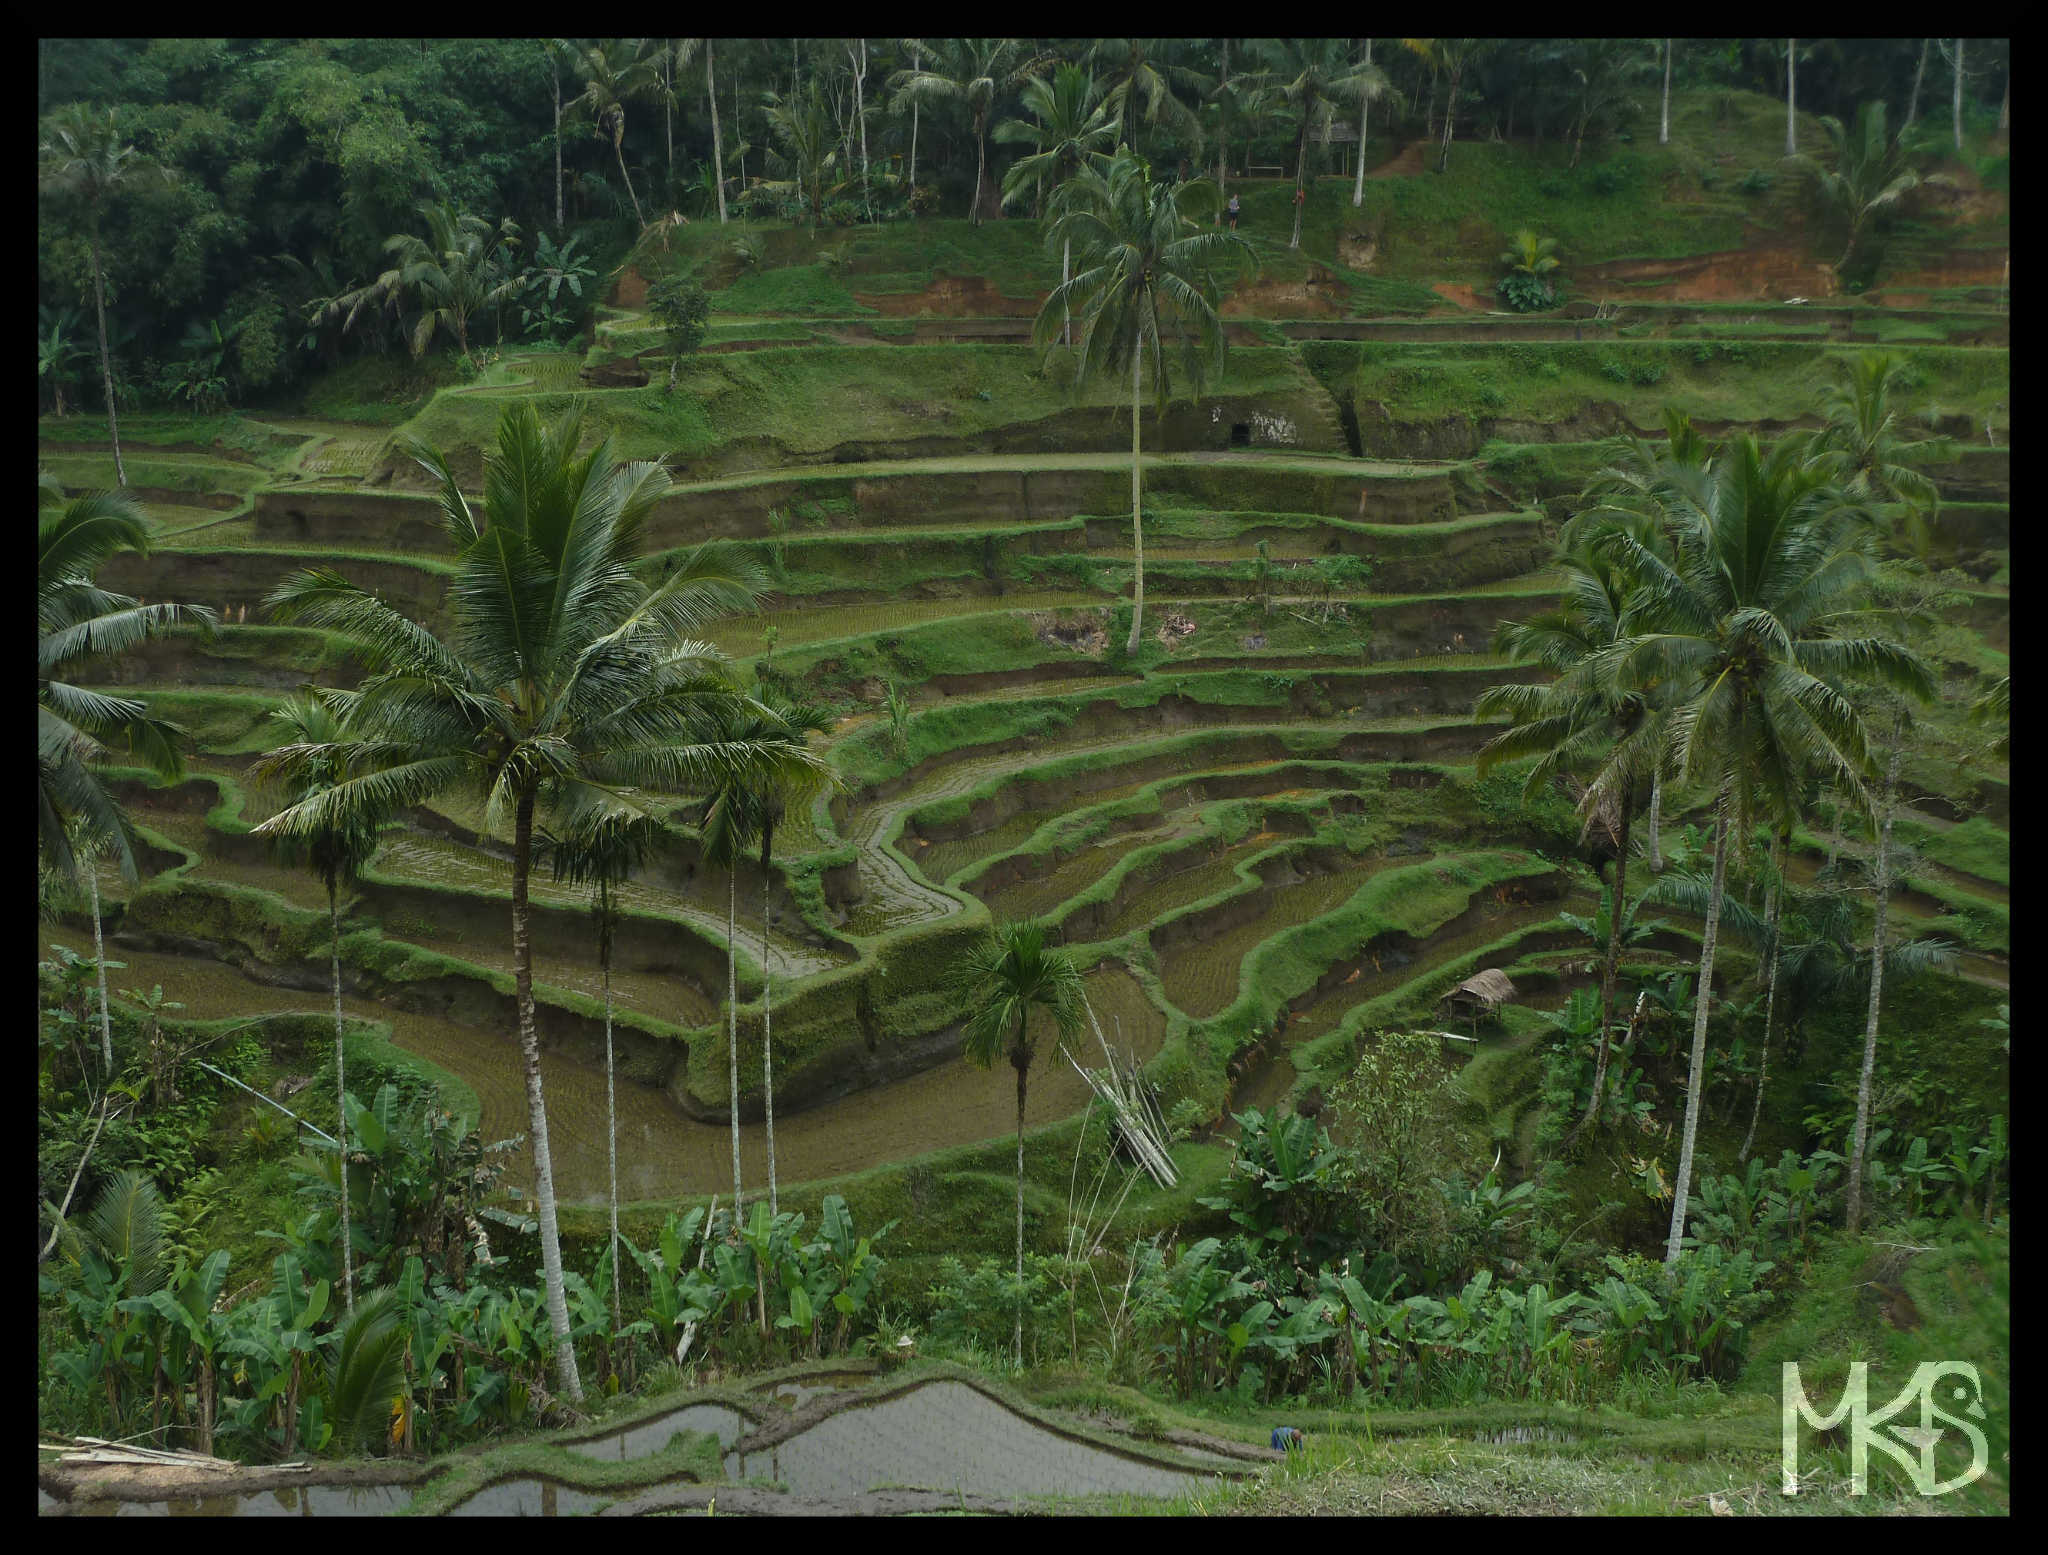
<point x="1481" y="994"/>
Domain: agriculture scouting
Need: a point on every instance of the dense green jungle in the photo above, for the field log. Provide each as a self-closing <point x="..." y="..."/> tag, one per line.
<point x="1311" y="733"/>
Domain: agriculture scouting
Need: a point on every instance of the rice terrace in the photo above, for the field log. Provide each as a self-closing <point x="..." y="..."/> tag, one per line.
<point x="1312" y="734"/>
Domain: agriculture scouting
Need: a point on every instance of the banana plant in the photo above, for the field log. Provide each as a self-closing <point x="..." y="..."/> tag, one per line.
<point x="1925" y="1174"/>
<point x="275" y="1341"/>
<point x="185" y="1305"/>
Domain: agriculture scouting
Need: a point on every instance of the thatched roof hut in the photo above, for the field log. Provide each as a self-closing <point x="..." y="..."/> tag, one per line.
<point x="1480" y="994"/>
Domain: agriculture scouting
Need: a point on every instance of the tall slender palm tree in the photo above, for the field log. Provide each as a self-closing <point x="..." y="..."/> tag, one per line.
<point x="802" y="128"/>
<point x="1575" y="721"/>
<point x="1005" y="978"/>
<point x="334" y="852"/>
<point x="731" y="820"/>
<point x="1749" y="627"/>
<point x="977" y="73"/>
<point x="617" y="71"/>
<point x="1313" y="76"/>
<point x="1450" y="57"/>
<point x="602" y="856"/>
<point x="796" y="720"/>
<point x="85" y="162"/>
<point x="1237" y="108"/>
<point x="1145" y="272"/>
<point x="77" y="624"/>
<point x="1073" y="124"/>
<point x="564" y="680"/>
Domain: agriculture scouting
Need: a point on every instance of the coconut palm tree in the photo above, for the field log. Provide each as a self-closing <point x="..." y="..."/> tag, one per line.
<point x="1073" y="124"/>
<point x="731" y="820"/>
<point x="1748" y="628"/>
<point x="685" y="50"/>
<point x="1145" y="271"/>
<point x="1869" y="178"/>
<point x="602" y="856"/>
<point x="1140" y="78"/>
<point x="334" y="852"/>
<point x="1576" y="721"/>
<point x="1237" y="108"/>
<point x="461" y="267"/>
<point x="1450" y="57"/>
<point x="85" y="163"/>
<point x="1860" y="444"/>
<point x="616" y="71"/>
<point x="802" y="128"/>
<point x="77" y="624"/>
<point x="977" y="73"/>
<point x="1312" y="76"/>
<point x="1006" y="977"/>
<point x="564" y="681"/>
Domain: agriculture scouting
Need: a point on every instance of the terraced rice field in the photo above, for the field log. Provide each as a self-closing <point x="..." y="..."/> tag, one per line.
<point x="1180" y="816"/>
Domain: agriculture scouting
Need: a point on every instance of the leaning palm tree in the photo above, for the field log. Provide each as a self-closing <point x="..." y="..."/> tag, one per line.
<point x="1145" y="272"/>
<point x="1579" y="720"/>
<point x="77" y="624"/>
<point x="616" y="71"/>
<point x="85" y="163"/>
<point x="1005" y="978"/>
<point x="1869" y="178"/>
<point x="1312" y="76"/>
<point x="1072" y="125"/>
<point x="565" y="682"/>
<point x="977" y="73"/>
<point x="1748" y="627"/>
<point x="335" y="852"/>
<point x="602" y="856"/>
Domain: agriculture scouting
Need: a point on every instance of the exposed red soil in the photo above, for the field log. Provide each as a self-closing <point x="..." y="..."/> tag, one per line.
<point x="1464" y="296"/>
<point x="1733" y="275"/>
<point x="630" y="290"/>
<point x="1318" y="297"/>
<point x="952" y="296"/>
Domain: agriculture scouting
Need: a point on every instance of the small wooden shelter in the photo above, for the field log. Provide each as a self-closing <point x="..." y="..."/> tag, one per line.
<point x="1479" y="995"/>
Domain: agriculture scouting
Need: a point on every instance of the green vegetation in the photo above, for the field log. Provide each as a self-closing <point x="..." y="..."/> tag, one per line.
<point x="1497" y="915"/>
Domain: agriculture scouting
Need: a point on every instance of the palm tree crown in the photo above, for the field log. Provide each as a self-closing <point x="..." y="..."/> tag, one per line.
<point x="77" y="622"/>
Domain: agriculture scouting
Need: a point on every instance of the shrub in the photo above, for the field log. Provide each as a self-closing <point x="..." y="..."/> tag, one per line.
<point x="1526" y="293"/>
<point x="1647" y="373"/>
<point x="1756" y="181"/>
<point x="1613" y="369"/>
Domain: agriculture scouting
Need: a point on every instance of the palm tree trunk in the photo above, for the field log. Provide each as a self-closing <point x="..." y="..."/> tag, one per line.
<point x="767" y="1005"/>
<point x="1364" y="112"/>
<point x="1702" y="1007"/>
<point x="915" y="64"/>
<point x="1959" y="94"/>
<point x="732" y="1027"/>
<point x="717" y="143"/>
<point x="1763" y="1062"/>
<point x="1612" y="959"/>
<point x="980" y="167"/>
<point x="1137" y="520"/>
<point x="611" y="1106"/>
<point x="668" y="102"/>
<point x="348" y="1261"/>
<point x="99" y="298"/>
<point x="1877" y="948"/>
<point x="99" y="961"/>
<point x="1443" y="161"/>
<point x="1017" y="1332"/>
<point x="1664" y="118"/>
<point x="536" y="1106"/>
<point x="1066" y="274"/>
<point x="1300" y="164"/>
<point x="619" y="151"/>
<point x="1791" y="94"/>
<point x="1656" y="823"/>
<point x="555" y="79"/>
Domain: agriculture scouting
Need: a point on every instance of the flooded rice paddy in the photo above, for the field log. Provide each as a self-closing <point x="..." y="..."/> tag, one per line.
<point x="639" y="1441"/>
<point x="531" y="1497"/>
<point x="296" y="1501"/>
<point x="949" y="1436"/>
<point x="664" y="1154"/>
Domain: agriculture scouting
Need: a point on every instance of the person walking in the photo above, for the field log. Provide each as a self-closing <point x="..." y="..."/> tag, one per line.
<point x="1233" y="213"/>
